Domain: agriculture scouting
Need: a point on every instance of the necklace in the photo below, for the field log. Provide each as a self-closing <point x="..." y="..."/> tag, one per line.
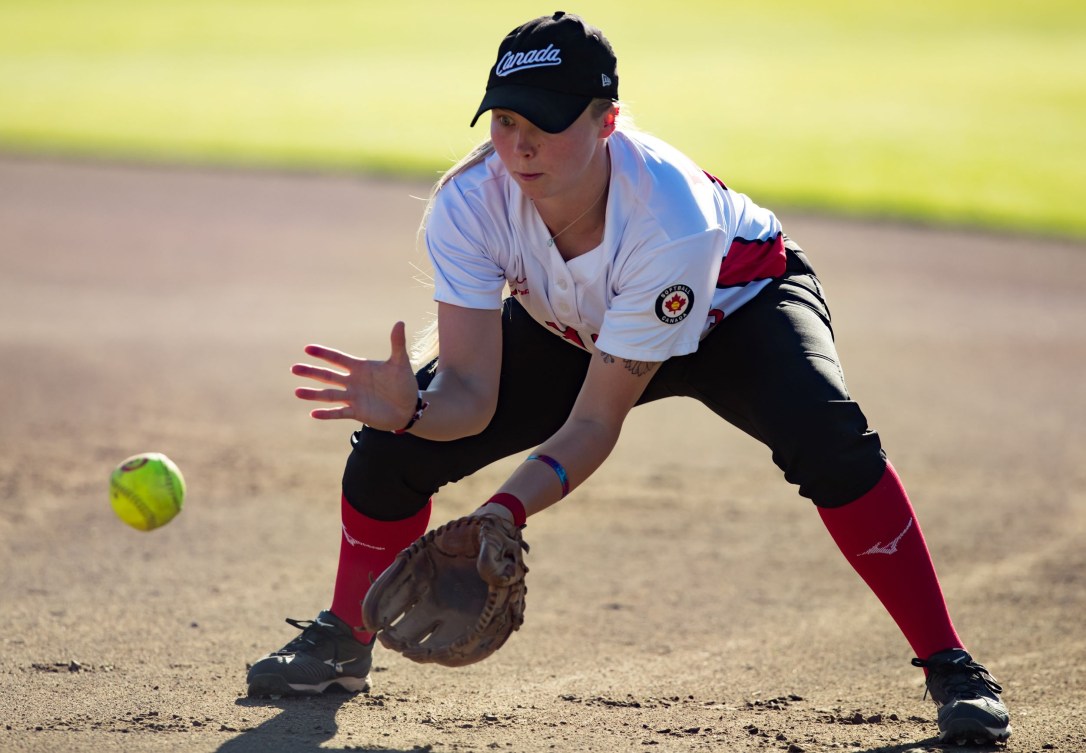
<point x="550" y="241"/>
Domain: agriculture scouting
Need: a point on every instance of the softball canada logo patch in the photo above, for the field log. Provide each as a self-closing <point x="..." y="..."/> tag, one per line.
<point x="673" y="304"/>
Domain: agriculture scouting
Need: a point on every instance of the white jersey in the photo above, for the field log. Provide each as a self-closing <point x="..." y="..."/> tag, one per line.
<point x="680" y="252"/>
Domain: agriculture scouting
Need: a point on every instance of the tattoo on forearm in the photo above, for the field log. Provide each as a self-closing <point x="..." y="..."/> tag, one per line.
<point x="637" y="368"/>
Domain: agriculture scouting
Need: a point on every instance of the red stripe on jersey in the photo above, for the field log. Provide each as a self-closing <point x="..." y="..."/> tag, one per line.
<point x="749" y="260"/>
<point x="715" y="179"/>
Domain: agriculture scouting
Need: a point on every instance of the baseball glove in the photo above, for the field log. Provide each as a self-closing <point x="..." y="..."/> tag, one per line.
<point x="454" y="596"/>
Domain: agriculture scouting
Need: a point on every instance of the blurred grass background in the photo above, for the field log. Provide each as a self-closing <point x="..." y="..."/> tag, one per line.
<point x="945" y="111"/>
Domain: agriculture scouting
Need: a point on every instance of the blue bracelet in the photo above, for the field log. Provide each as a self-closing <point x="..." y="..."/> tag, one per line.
<point x="557" y="468"/>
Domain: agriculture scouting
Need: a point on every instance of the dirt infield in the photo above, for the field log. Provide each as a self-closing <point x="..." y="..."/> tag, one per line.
<point x="146" y="309"/>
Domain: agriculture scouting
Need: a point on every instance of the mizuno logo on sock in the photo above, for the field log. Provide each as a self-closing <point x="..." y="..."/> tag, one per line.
<point x="890" y="548"/>
<point x="355" y="542"/>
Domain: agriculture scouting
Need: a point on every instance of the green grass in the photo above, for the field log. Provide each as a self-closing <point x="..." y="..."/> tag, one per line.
<point x="962" y="112"/>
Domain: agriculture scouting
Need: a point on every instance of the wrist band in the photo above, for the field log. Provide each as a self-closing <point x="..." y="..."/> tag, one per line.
<point x="557" y="468"/>
<point x="420" y="406"/>
<point x="513" y="505"/>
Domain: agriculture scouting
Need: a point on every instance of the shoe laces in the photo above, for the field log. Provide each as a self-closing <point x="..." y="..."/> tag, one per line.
<point x="960" y="679"/>
<point x="313" y="633"/>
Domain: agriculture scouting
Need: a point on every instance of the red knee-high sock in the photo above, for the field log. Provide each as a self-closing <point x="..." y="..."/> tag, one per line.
<point x="881" y="538"/>
<point x="368" y="547"/>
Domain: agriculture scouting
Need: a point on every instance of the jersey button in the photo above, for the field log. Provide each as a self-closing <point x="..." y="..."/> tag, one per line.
<point x="562" y="285"/>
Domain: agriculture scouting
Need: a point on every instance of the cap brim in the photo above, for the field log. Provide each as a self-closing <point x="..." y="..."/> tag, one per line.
<point x="550" y="111"/>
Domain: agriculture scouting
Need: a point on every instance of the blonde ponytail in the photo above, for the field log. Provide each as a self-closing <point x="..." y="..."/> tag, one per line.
<point x="425" y="347"/>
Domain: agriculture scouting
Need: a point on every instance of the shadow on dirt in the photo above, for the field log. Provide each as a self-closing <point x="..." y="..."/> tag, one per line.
<point x="302" y="726"/>
<point x="932" y="745"/>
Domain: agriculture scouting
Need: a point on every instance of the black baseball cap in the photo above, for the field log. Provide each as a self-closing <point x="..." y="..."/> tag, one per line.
<point x="549" y="69"/>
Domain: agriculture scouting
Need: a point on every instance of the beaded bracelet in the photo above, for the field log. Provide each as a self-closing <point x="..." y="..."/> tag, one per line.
<point x="557" y="468"/>
<point x="420" y="406"/>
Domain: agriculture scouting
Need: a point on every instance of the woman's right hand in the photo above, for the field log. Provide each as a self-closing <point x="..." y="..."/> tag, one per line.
<point x="381" y="394"/>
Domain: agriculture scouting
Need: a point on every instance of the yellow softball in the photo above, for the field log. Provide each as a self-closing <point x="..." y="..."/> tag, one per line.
<point x="147" y="490"/>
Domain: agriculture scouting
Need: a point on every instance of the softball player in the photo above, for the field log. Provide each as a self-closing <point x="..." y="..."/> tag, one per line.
<point x="632" y="276"/>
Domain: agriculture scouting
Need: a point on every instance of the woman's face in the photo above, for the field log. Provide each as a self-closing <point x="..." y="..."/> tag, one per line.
<point x="547" y="165"/>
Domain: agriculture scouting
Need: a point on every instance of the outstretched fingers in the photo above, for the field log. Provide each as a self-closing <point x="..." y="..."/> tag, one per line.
<point x="321" y="396"/>
<point x="326" y="376"/>
<point x="336" y="357"/>
<point x="319" y="374"/>
<point x="343" y="411"/>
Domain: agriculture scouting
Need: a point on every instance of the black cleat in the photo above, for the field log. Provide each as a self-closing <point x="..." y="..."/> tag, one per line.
<point x="967" y="698"/>
<point x="325" y="657"/>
